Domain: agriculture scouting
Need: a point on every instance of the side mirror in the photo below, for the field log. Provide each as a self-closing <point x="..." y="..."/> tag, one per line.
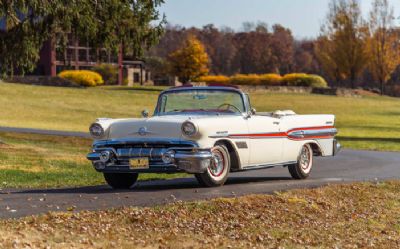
<point x="145" y="113"/>
<point x="250" y="113"/>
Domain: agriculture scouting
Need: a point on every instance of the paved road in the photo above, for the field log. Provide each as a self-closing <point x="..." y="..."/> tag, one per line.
<point x="348" y="166"/>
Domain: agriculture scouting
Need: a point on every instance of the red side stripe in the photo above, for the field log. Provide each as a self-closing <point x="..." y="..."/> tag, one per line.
<point x="311" y="128"/>
<point x="286" y="134"/>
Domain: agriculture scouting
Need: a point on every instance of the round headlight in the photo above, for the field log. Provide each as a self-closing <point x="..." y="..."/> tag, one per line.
<point x="189" y="129"/>
<point x="96" y="130"/>
<point x="168" y="157"/>
<point x="105" y="156"/>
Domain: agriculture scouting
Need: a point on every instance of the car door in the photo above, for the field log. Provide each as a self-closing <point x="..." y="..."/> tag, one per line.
<point x="266" y="140"/>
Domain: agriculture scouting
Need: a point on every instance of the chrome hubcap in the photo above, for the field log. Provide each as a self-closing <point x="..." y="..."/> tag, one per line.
<point x="217" y="164"/>
<point x="305" y="158"/>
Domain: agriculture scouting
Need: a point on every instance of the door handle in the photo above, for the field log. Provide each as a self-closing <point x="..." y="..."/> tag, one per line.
<point x="276" y="123"/>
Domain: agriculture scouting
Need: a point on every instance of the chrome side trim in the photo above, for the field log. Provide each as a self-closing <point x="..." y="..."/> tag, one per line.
<point x="296" y="134"/>
<point x="219" y="136"/>
<point x="313" y="133"/>
<point x="255" y="137"/>
<point x="249" y="136"/>
<point x="266" y="166"/>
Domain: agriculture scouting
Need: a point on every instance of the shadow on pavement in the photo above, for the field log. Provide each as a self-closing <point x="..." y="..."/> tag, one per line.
<point x="150" y="186"/>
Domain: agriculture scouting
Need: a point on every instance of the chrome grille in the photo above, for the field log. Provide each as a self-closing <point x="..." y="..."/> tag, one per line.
<point x="152" y="148"/>
<point x="152" y="153"/>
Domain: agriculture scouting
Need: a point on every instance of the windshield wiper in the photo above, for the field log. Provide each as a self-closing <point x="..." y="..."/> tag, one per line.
<point x="185" y="110"/>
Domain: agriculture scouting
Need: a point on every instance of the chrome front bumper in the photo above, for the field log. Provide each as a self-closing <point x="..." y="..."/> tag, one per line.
<point x="162" y="159"/>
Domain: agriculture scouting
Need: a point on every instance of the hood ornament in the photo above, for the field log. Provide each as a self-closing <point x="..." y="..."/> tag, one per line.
<point x="142" y="131"/>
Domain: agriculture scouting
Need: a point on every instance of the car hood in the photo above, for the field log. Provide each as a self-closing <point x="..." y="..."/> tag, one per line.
<point x="153" y="127"/>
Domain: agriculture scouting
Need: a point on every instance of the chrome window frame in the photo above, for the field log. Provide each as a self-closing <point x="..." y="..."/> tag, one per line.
<point x="244" y="97"/>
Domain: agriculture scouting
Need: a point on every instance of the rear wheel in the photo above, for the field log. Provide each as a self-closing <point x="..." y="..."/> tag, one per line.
<point x="218" y="171"/>
<point x="303" y="167"/>
<point x="121" y="180"/>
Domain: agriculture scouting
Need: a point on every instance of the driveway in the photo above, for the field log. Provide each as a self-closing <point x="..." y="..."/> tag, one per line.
<point x="348" y="166"/>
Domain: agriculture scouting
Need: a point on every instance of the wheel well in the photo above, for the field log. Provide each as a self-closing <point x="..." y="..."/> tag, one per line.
<point x="316" y="149"/>
<point x="234" y="156"/>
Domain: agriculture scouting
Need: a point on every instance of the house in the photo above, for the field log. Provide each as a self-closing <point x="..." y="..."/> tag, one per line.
<point x="80" y="56"/>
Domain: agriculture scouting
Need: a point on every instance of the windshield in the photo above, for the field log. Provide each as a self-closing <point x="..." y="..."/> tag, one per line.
<point x="201" y="101"/>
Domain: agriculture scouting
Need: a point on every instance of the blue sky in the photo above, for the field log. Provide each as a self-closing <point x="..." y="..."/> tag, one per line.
<point x="303" y="17"/>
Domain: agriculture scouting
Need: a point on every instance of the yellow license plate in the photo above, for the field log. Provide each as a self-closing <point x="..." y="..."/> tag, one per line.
<point x="139" y="163"/>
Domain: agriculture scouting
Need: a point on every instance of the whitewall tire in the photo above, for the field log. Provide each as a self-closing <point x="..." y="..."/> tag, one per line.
<point x="303" y="167"/>
<point x="218" y="171"/>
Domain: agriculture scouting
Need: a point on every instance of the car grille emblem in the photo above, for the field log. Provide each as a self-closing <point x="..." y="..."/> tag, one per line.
<point x="142" y="131"/>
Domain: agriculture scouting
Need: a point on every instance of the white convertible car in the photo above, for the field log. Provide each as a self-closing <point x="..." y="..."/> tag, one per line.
<point x="209" y="132"/>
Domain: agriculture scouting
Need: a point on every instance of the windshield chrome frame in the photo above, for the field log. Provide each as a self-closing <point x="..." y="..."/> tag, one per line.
<point x="244" y="97"/>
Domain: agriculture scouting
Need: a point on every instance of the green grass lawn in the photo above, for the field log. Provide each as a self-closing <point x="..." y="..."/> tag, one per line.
<point x="30" y="161"/>
<point x="70" y="109"/>
<point x="371" y="123"/>
<point x="364" y="123"/>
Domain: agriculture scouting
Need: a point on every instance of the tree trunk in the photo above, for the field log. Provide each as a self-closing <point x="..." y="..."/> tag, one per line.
<point x="185" y="80"/>
<point x="352" y="79"/>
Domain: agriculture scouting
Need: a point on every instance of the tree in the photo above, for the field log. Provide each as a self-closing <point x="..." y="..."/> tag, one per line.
<point x="258" y="50"/>
<point x="341" y="46"/>
<point x="325" y="53"/>
<point x="189" y="62"/>
<point x="383" y="44"/>
<point x="103" y="23"/>
<point x="282" y="48"/>
<point x="304" y="58"/>
<point x="220" y="48"/>
<point x="254" y="53"/>
<point x="169" y="42"/>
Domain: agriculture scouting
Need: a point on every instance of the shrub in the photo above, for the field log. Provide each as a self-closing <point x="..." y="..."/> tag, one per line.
<point x="222" y="79"/>
<point x="301" y="79"/>
<point x="108" y="72"/>
<point x="270" y="79"/>
<point x="295" y="79"/>
<point x="246" y="79"/>
<point x="317" y="81"/>
<point x="82" y="77"/>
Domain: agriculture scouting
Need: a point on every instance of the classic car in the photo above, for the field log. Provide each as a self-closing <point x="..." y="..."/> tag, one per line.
<point x="209" y="132"/>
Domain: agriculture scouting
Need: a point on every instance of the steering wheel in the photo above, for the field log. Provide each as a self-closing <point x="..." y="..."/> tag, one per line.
<point x="228" y="106"/>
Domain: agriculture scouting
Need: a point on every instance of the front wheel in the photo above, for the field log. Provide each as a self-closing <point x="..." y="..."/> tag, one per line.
<point x="303" y="167"/>
<point x="121" y="180"/>
<point x="218" y="170"/>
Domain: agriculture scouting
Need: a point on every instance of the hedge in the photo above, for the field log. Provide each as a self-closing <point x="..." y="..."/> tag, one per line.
<point x="295" y="79"/>
<point x="300" y="79"/>
<point x="271" y="79"/>
<point x="82" y="77"/>
<point x="245" y="79"/>
<point x="214" y="79"/>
